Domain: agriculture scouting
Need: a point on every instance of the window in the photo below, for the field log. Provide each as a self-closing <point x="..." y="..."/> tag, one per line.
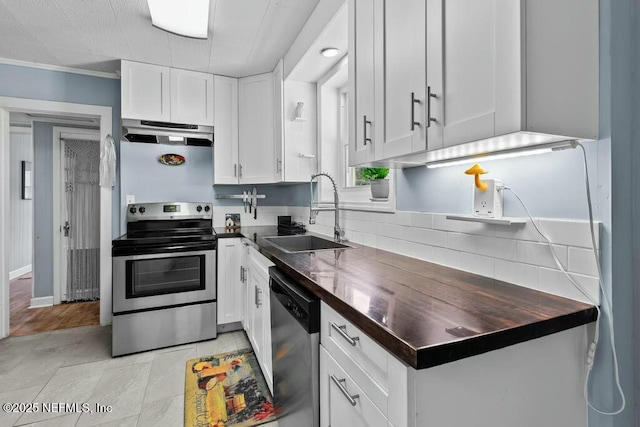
<point x="333" y="148"/>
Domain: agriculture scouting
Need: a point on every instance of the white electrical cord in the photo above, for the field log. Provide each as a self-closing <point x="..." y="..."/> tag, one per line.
<point x="592" y="348"/>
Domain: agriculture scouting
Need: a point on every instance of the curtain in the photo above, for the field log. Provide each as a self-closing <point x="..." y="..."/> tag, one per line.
<point x="82" y="194"/>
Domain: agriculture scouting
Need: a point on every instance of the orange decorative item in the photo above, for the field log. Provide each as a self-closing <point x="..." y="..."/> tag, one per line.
<point x="476" y="170"/>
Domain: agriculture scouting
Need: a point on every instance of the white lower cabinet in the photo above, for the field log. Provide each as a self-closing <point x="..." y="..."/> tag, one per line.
<point x="531" y="384"/>
<point x="258" y="311"/>
<point x="230" y="285"/>
<point x="342" y="402"/>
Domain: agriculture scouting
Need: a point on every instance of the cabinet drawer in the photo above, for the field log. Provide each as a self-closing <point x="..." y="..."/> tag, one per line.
<point x="344" y="402"/>
<point x="365" y="360"/>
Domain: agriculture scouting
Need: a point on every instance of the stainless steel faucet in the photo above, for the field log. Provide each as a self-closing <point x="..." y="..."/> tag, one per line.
<point x="338" y="233"/>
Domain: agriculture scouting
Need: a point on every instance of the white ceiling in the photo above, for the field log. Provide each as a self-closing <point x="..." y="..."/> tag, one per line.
<point x="246" y="37"/>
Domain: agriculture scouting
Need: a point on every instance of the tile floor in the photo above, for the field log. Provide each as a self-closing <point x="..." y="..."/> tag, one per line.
<point x="75" y="365"/>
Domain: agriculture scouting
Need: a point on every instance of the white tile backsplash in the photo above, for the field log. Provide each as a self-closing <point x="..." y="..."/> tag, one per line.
<point x="570" y="233"/>
<point x="582" y="261"/>
<point x="518" y="273"/>
<point x="515" y="254"/>
<point x="440" y="222"/>
<point x="497" y="248"/>
<point x="462" y="242"/>
<point x="540" y="254"/>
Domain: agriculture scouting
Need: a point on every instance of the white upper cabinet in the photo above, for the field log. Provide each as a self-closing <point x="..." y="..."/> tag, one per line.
<point x="145" y="91"/>
<point x="501" y="67"/>
<point x="152" y="92"/>
<point x="257" y="162"/>
<point x="507" y="73"/>
<point x="225" y="147"/>
<point x="403" y="78"/>
<point x="191" y="97"/>
<point x="363" y="123"/>
<point x="278" y="117"/>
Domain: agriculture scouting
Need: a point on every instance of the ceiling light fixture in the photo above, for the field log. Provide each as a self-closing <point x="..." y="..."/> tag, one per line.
<point x="329" y="52"/>
<point x="189" y="18"/>
<point x="505" y="154"/>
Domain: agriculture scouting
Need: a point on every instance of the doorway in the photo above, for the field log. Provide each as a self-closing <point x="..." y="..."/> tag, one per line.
<point x="104" y="115"/>
<point x="73" y="154"/>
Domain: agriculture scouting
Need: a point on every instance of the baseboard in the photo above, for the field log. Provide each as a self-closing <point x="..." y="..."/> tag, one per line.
<point x="41" y="302"/>
<point x="19" y="272"/>
<point x="229" y="327"/>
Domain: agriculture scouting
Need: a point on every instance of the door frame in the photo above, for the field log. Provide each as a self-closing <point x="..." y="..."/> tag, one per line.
<point x="106" y="128"/>
<point x="59" y="254"/>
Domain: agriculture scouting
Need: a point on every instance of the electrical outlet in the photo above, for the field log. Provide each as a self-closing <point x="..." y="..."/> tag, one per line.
<point x="131" y="200"/>
<point x="488" y="204"/>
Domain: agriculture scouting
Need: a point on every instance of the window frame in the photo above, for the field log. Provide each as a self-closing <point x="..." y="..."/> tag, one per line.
<point x="355" y="197"/>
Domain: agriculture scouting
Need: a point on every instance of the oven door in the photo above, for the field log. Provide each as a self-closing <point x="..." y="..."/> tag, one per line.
<point x="151" y="281"/>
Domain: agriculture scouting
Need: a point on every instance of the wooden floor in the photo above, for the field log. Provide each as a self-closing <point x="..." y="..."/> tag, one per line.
<point x="25" y="321"/>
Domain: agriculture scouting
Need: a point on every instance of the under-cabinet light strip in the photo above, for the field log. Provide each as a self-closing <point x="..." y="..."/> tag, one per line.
<point x="505" y="154"/>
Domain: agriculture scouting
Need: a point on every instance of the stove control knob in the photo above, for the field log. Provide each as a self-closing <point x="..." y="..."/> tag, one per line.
<point x="199" y="208"/>
<point x="132" y="209"/>
<point x="207" y="208"/>
<point x="142" y="209"/>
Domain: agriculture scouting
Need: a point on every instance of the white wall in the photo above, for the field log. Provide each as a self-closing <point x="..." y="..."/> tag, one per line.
<point x="21" y="240"/>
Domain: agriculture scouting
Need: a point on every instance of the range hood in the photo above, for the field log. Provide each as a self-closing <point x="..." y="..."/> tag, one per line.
<point x="151" y="132"/>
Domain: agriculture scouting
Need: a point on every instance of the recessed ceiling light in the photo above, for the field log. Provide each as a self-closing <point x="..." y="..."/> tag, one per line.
<point x="329" y="52"/>
<point x="188" y="18"/>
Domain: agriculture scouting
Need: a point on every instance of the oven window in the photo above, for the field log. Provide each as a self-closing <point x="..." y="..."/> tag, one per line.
<point x="160" y="276"/>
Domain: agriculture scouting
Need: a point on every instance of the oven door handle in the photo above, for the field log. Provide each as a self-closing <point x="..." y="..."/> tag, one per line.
<point x="162" y="255"/>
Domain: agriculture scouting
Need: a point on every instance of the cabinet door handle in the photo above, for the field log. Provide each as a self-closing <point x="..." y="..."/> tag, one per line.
<point x="342" y="330"/>
<point x="258" y="299"/>
<point x="242" y="274"/>
<point x="343" y="389"/>
<point x="235" y="169"/>
<point x="240" y="171"/>
<point x="255" y="295"/>
<point x="429" y="96"/>
<point x="279" y="166"/>
<point x="365" y="123"/>
<point x="414" y="101"/>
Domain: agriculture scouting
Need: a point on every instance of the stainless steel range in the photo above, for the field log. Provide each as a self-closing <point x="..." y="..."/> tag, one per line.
<point x="164" y="277"/>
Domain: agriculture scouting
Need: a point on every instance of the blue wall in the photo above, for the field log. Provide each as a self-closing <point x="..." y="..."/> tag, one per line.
<point x="33" y="83"/>
<point x="148" y="180"/>
<point x="551" y="184"/>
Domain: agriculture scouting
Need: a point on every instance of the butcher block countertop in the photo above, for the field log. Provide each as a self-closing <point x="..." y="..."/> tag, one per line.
<point x="423" y="313"/>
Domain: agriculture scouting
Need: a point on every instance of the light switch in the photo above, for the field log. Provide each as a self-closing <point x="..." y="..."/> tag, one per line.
<point x="131" y="200"/>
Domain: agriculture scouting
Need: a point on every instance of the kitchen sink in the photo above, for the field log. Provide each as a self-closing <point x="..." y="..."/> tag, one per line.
<point x="304" y="243"/>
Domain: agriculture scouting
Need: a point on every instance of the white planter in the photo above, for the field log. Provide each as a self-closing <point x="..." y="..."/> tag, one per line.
<point x="379" y="188"/>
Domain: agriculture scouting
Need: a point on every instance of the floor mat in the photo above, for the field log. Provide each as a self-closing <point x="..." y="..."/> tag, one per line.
<point x="227" y="389"/>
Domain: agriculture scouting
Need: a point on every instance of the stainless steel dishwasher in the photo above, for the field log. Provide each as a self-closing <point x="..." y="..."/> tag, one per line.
<point x="295" y="338"/>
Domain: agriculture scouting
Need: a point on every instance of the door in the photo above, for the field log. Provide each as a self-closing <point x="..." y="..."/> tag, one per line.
<point x="145" y="91"/>
<point x="225" y="148"/>
<point x="473" y="69"/>
<point x="362" y="65"/>
<point x="256" y="134"/>
<point x="191" y="97"/>
<point x="229" y="284"/>
<point x="404" y="79"/>
<point x="80" y="209"/>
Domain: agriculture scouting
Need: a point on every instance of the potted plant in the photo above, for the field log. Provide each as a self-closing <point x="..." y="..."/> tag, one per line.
<point x="379" y="183"/>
